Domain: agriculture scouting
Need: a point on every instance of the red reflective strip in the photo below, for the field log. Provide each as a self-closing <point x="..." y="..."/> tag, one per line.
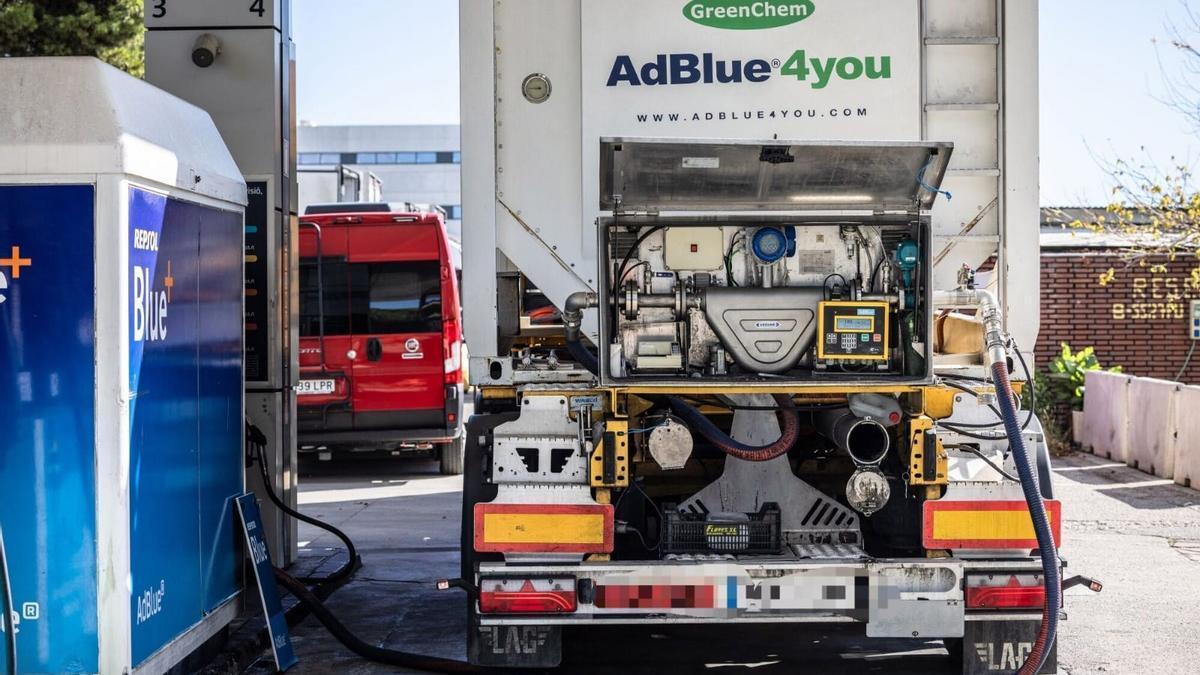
<point x="649" y="596"/>
<point x="931" y="541"/>
<point x="527" y="602"/>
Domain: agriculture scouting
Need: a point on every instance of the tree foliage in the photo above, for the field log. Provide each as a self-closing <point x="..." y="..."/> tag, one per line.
<point x="1154" y="215"/>
<point x="108" y="29"/>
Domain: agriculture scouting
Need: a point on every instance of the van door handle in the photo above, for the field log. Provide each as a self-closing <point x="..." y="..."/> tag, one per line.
<point x="374" y="349"/>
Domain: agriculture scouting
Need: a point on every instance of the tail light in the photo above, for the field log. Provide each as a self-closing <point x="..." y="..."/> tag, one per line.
<point x="527" y="596"/>
<point x="1005" y="591"/>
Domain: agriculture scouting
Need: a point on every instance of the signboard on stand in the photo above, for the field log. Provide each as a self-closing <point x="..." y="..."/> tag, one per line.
<point x="264" y="574"/>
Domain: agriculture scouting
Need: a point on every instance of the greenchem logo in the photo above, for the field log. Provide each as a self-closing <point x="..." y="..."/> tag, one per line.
<point x="748" y="14"/>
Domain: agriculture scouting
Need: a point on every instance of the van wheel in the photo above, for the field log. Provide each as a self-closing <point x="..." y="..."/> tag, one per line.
<point x="450" y="457"/>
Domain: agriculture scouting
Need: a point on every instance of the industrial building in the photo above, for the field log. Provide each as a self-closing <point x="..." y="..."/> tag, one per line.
<point x="415" y="163"/>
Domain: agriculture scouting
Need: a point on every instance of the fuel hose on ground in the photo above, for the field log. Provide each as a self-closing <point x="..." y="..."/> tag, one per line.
<point x="311" y="599"/>
<point x="789" y="427"/>
<point x="369" y="652"/>
<point x="256" y="441"/>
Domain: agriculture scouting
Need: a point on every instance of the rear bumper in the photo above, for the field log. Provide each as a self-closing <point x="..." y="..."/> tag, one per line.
<point x="340" y="425"/>
<point x="893" y="598"/>
<point x="378" y="436"/>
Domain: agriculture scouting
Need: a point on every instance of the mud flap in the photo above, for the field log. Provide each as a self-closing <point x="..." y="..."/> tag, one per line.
<point x="991" y="647"/>
<point x="515" y="646"/>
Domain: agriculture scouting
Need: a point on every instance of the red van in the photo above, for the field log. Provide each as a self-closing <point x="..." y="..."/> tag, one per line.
<point x="380" y="333"/>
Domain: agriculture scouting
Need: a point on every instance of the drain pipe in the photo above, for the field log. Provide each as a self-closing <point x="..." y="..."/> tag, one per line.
<point x="573" y="324"/>
<point x="997" y="341"/>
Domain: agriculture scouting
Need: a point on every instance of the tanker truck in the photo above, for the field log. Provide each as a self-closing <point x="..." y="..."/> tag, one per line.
<point x="750" y="288"/>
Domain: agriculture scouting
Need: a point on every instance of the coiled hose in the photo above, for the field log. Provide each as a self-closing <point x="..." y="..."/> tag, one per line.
<point x="1051" y="574"/>
<point x="789" y="427"/>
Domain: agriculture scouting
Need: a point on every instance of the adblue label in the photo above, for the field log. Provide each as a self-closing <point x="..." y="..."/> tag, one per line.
<point x="707" y="68"/>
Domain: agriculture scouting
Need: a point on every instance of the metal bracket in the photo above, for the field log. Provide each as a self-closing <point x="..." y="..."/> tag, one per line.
<point x="610" y="457"/>
<point x="928" y="462"/>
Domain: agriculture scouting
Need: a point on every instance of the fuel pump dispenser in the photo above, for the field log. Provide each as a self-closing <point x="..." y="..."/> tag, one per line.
<point x="120" y="373"/>
<point x="235" y="59"/>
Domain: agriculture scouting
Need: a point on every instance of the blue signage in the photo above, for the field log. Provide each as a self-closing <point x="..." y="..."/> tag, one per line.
<point x="185" y="453"/>
<point x="256" y="544"/>
<point x="47" y="402"/>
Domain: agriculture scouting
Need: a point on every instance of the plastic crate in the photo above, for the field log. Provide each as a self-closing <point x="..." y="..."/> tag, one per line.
<point x="749" y="533"/>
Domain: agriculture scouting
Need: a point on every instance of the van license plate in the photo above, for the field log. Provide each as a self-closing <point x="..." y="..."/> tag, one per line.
<point x="314" y="387"/>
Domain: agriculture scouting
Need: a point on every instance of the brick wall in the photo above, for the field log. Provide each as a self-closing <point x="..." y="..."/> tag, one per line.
<point x="1139" y="321"/>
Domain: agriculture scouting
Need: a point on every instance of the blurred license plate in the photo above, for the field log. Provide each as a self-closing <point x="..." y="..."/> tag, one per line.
<point x="314" y="387"/>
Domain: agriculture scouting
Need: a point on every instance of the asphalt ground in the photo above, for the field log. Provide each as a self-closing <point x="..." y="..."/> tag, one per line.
<point x="1138" y="534"/>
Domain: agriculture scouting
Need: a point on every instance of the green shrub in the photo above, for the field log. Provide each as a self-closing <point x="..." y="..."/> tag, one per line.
<point x="1067" y="374"/>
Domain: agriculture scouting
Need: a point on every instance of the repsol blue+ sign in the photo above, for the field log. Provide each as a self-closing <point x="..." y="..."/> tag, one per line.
<point x="706" y="68"/>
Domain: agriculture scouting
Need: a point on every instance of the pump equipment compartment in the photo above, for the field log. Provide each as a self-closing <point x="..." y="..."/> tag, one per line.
<point x="758" y="262"/>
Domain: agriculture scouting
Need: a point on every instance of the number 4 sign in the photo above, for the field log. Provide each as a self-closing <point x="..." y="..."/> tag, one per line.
<point x="213" y="14"/>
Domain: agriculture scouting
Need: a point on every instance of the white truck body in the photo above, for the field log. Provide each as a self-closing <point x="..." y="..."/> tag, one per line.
<point x="959" y="71"/>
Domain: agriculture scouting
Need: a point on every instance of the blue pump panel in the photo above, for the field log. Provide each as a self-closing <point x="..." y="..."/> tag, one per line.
<point x="186" y="416"/>
<point x="47" y="402"/>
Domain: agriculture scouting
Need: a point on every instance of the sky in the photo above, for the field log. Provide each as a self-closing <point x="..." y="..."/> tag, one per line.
<point x="1102" y="87"/>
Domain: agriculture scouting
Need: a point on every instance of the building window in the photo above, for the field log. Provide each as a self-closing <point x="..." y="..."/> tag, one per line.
<point x="375" y="158"/>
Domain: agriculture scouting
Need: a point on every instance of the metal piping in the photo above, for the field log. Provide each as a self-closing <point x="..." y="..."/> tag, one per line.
<point x="573" y="312"/>
<point x="993" y="319"/>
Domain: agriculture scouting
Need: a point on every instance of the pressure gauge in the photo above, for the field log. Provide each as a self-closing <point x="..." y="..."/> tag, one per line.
<point x="536" y="88"/>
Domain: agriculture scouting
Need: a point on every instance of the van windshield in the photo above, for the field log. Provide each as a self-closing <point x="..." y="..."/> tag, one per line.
<point x="370" y="298"/>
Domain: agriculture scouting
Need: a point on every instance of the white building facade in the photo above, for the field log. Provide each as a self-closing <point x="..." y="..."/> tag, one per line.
<point x="415" y="163"/>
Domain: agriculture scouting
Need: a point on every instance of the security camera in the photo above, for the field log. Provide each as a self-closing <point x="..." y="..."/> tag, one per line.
<point x="206" y="50"/>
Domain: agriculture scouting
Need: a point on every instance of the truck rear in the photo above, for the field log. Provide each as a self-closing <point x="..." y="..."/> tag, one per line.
<point x="751" y="218"/>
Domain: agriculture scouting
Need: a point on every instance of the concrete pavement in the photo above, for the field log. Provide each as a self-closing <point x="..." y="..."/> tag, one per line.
<point x="1138" y="534"/>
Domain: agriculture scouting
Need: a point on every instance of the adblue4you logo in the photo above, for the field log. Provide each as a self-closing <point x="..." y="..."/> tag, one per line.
<point x="748" y="14"/>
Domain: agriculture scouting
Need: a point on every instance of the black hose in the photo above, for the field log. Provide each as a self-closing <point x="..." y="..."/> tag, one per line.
<point x="1051" y="573"/>
<point x="789" y="430"/>
<point x="353" y="643"/>
<point x="257" y="441"/>
<point x="10" y="633"/>
<point x="583" y="356"/>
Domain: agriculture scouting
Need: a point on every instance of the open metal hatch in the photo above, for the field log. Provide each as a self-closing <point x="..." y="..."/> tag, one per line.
<point x="640" y="175"/>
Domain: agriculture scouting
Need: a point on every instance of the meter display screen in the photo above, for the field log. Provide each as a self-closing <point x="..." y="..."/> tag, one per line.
<point x="853" y="331"/>
<point x="854" y="324"/>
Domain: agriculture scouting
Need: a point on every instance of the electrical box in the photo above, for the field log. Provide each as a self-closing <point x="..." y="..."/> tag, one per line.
<point x="853" y="331"/>
<point x="121" y="228"/>
<point x="1194" y="328"/>
<point x="693" y="248"/>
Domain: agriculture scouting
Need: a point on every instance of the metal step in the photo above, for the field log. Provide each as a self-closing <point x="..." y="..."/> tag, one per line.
<point x="952" y="107"/>
<point x="963" y="40"/>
